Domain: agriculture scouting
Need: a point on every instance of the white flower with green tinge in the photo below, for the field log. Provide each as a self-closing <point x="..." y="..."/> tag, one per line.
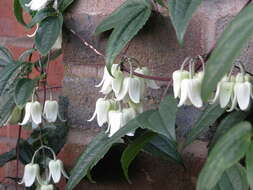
<point x="51" y="111"/>
<point x="56" y="169"/>
<point x="118" y="119"/>
<point x="178" y="76"/>
<point x="33" y="114"/>
<point x="150" y="83"/>
<point x="46" y="187"/>
<point x="101" y="111"/>
<point x="37" y="5"/>
<point x="31" y="174"/>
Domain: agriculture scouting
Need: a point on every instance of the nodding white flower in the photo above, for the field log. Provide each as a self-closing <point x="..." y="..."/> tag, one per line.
<point x="56" y="169"/>
<point x="150" y="83"/>
<point x="117" y="119"/>
<point x="37" y="5"/>
<point x="224" y="92"/>
<point x="131" y="88"/>
<point x="242" y="92"/>
<point x="101" y="111"/>
<point x="110" y="83"/>
<point x="137" y="107"/>
<point x="31" y="173"/>
<point x="33" y="112"/>
<point x="178" y="76"/>
<point x="51" y="111"/>
<point x="191" y="91"/>
<point x="46" y="187"/>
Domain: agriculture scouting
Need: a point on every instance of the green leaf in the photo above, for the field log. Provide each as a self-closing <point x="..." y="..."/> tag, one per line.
<point x="23" y="5"/>
<point x="7" y="105"/>
<point x="233" y="178"/>
<point x="163" y="121"/>
<point x="48" y="32"/>
<point x="206" y="119"/>
<point x="7" y="157"/>
<point x="126" y="30"/>
<point x="123" y="13"/>
<point x="18" y="12"/>
<point x="41" y="15"/>
<point x="181" y="13"/>
<point x="163" y="147"/>
<point x="227" y="151"/>
<point x="231" y="120"/>
<point x="23" y="91"/>
<point x="132" y="151"/>
<point x="249" y="165"/>
<point x="54" y="55"/>
<point x="5" y="56"/>
<point x="99" y="146"/>
<point x="26" y="54"/>
<point x="64" y="4"/>
<point x="229" y="46"/>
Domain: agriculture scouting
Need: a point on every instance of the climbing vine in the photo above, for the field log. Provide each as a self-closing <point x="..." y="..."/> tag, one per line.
<point x="212" y="81"/>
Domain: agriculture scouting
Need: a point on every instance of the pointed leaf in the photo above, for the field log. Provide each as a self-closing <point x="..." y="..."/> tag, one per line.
<point x="233" y="178"/>
<point x="229" y="46"/>
<point x="18" y="12"/>
<point x="5" y="56"/>
<point x="41" y="15"/>
<point x="64" y="4"/>
<point x="227" y="151"/>
<point x="181" y="13"/>
<point x="48" y="32"/>
<point x="26" y="54"/>
<point x="99" y="146"/>
<point x="206" y="119"/>
<point x="132" y="151"/>
<point x="23" y="91"/>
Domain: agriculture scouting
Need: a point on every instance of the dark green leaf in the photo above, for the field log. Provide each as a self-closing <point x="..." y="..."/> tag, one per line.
<point x="26" y="54"/>
<point x="126" y="30"/>
<point x="207" y="118"/>
<point x="7" y="105"/>
<point x="64" y="4"/>
<point x="163" y="121"/>
<point x="227" y="151"/>
<point x="229" y="46"/>
<point x="132" y="151"/>
<point x="23" y="4"/>
<point x="181" y="13"/>
<point x="123" y="13"/>
<point x="162" y="147"/>
<point x="18" y="12"/>
<point x="249" y="165"/>
<point x="228" y="122"/>
<point x="233" y="178"/>
<point x="23" y="91"/>
<point x="98" y="147"/>
<point x="7" y="157"/>
<point x="41" y="15"/>
<point x="5" y="56"/>
<point x="48" y="32"/>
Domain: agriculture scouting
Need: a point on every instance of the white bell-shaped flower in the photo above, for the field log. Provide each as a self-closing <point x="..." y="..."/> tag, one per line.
<point x="110" y="83"/>
<point x="150" y="83"/>
<point x="46" y="187"/>
<point x="131" y="88"/>
<point x="101" y="111"/>
<point x="242" y="92"/>
<point x="191" y="91"/>
<point x="37" y="5"/>
<point x="33" y="113"/>
<point x="51" y="110"/>
<point x="31" y="173"/>
<point x="56" y="169"/>
<point x="177" y="77"/>
<point x="224" y="91"/>
<point x="118" y="119"/>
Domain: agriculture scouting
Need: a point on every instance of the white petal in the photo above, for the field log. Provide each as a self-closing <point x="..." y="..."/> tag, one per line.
<point x="55" y="170"/>
<point x="102" y="108"/>
<point x="115" y="120"/>
<point x="226" y="92"/>
<point x="184" y="92"/>
<point x="106" y="75"/>
<point x="176" y="76"/>
<point x="128" y="114"/>
<point x="134" y="90"/>
<point x="242" y="93"/>
<point x="30" y="173"/>
<point x="124" y="90"/>
<point x="38" y="5"/>
<point x="51" y="110"/>
<point x="34" y="33"/>
<point x="217" y="94"/>
<point x="27" y="114"/>
<point x="194" y="92"/>
<point x="152" y="84"/>
<point x="107" y="86"/>
<point x="234" y="104"/>
<point x="93" y="116"/>
<point x="64" y="173"/>
<point x="117" y="83"/>
<point x="36" y="112"/>
<point x="47" y="187"/>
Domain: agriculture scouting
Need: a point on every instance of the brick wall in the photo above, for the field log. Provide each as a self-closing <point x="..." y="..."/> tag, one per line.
<point x="156" y="47"/>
